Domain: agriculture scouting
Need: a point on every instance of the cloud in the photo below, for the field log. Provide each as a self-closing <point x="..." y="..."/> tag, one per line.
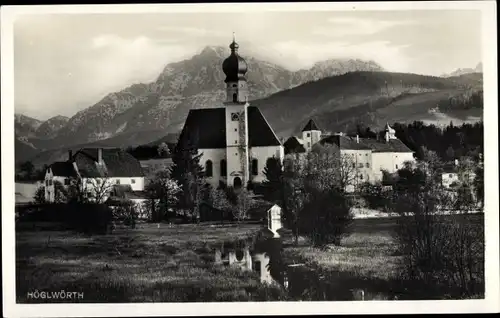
<point x="304" y="55"/>
<point x="338" y="27"/>
<point x="192" y="31"/>
<point x="118" y="61"/>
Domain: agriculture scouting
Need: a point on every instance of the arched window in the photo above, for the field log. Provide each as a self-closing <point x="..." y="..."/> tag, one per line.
<point x="255" y="167"/>
<point x="208" y="168"/>
<point x="235" y="98"/>
<point x="223" y="168"/>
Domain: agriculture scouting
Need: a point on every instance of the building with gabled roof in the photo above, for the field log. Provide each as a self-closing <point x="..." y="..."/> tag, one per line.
<point x="93" y="167"/>
<point x="234" y="140"/>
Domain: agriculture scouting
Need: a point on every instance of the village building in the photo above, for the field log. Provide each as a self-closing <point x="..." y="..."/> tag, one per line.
<point x="367" y="158"/>
<point x="234" y="140"/>
<point x="95" y="169"/>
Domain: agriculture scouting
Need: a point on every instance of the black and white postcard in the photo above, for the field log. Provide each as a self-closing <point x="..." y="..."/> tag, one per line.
<point x="249" y="158"/>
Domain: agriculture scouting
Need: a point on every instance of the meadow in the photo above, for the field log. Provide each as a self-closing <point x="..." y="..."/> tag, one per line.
<point x="368" y="260"/>
<point x="146" y="264"/>
<point x="175" y="263"/>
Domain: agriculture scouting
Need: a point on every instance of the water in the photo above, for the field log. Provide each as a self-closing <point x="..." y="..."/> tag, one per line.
<point x="264" y="255"/>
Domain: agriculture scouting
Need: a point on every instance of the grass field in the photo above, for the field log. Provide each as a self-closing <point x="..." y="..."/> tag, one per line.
<point x="368" y="259"/>
<point x="147" y="264"/>
<point x="151" y="264"/>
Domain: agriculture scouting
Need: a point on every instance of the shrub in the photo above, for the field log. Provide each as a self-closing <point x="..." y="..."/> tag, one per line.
<point x="326" y="217"/>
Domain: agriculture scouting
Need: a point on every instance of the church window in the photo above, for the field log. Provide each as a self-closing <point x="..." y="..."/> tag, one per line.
<point x="208" y="168"/>
<point x="255" y="167"/>
<point x="308" y="135"/>
<point x="361" y="176"/>
<point x="234" y="117"/>
<point x="353" y="165"/>
<point x="235" y="98"/>
<point x="223" y="168"/>
<point x="234" y="85"/>
<point x="236" y="141"/>
<point x="235" y="129"/>
<point x="367" y="165"/>
<point x="396" y="166"/>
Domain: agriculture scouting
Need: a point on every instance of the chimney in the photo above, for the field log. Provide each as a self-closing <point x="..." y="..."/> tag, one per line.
<point x="456" y="162"/>
<point x="70" y="155"/>
<point x="386" y="136"/>
<point x="357" y="139"/>
<point x="99" y="156"/>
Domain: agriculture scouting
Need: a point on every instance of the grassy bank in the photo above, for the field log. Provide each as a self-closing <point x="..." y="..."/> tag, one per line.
<point x="368" y="259"/>
<point x="147" y="264"/>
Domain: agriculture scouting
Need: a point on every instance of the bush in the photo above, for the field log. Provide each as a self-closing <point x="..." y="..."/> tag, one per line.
<point x="375" y="196"/>
<point x="326" y="217"/>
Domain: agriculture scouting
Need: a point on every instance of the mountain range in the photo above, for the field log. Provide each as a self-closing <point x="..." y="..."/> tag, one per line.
<point x="333" y="91"/>
<point x="463" y="71"/>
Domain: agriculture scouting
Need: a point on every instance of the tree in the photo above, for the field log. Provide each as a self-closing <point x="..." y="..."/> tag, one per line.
<point x="60" y="192"/>
<point x="295" y="194"/>
<point x="98" y="189"/>
<point x="437" y="250"/>
<point x="28" y="170"/>
<point x="188" y="173"/>
<point x="163" y="150"/>
<point x="326" y="217"/>
<point x="274" y="184"/>
<point x="479" y="181"/>
<point x="450" y="153"/>
<point x="39" y="196"/>
<point x="244" y="202"/>
<point x="163" y="194"/>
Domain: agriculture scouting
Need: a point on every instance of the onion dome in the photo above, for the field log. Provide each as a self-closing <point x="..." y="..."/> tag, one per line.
<point x="235" y="67"/>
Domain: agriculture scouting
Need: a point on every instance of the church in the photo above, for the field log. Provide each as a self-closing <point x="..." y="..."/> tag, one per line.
<point x="234" y="140"/>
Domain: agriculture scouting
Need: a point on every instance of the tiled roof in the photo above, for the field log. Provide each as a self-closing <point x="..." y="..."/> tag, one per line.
<point x="117" y="163"/>
<point x="206" y="129"/>
<point x="394" y="145"/>
<point x="63" y="169"/>
<point x="294" y="144"/>
<point x="346" y="142"/>
<point x="311" y="125"/>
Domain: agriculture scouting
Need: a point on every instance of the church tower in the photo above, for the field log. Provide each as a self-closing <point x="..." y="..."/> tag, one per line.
<point x="237" y="154"/>
<point x="310" y="135"/>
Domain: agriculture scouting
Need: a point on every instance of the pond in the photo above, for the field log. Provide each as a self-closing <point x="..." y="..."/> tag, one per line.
<point x="263" y="254"/>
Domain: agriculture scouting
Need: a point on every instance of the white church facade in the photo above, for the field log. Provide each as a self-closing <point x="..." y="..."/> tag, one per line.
<point x="234" y="140"/>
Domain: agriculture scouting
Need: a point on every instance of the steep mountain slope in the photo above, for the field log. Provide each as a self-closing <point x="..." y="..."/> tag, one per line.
<point x="338" y="103"/>
<point x="50" y="127"/>
<point x="25" y="126"/>
<point x="373" y="98"/>
<point x="147" y="111"/>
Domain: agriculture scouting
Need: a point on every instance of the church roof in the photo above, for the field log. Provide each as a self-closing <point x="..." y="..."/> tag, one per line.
<point x="350" y="143"/>
<point x="205" y="128"/>
<point x="311" y="125"/>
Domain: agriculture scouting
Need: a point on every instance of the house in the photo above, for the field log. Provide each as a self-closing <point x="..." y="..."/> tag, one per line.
<point x="452" y="175"/>
<point x="96" y="170"/>
<point x="234" y="140"/>
<point x="365" y="158"/>
<point x="122" y="194"/>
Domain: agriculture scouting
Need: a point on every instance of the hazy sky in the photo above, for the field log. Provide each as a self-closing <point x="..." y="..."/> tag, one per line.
<point x="65" y="63"/>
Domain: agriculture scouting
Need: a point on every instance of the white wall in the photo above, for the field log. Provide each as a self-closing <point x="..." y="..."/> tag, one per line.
<point x="363" y="166"/>
<point x="215" y="155"/>
<point x="448" y="178"/>
<point x="262" y="154"/>
<point x="390" y="161"/>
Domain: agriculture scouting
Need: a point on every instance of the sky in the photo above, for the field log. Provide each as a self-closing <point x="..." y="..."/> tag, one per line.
<point x="65" y="63"/>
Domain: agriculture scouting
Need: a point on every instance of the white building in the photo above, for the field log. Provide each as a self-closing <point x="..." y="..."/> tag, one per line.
<point x="234" y="140"/>
<point x="368" y="157"/>
<point x="95" y="168"/>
